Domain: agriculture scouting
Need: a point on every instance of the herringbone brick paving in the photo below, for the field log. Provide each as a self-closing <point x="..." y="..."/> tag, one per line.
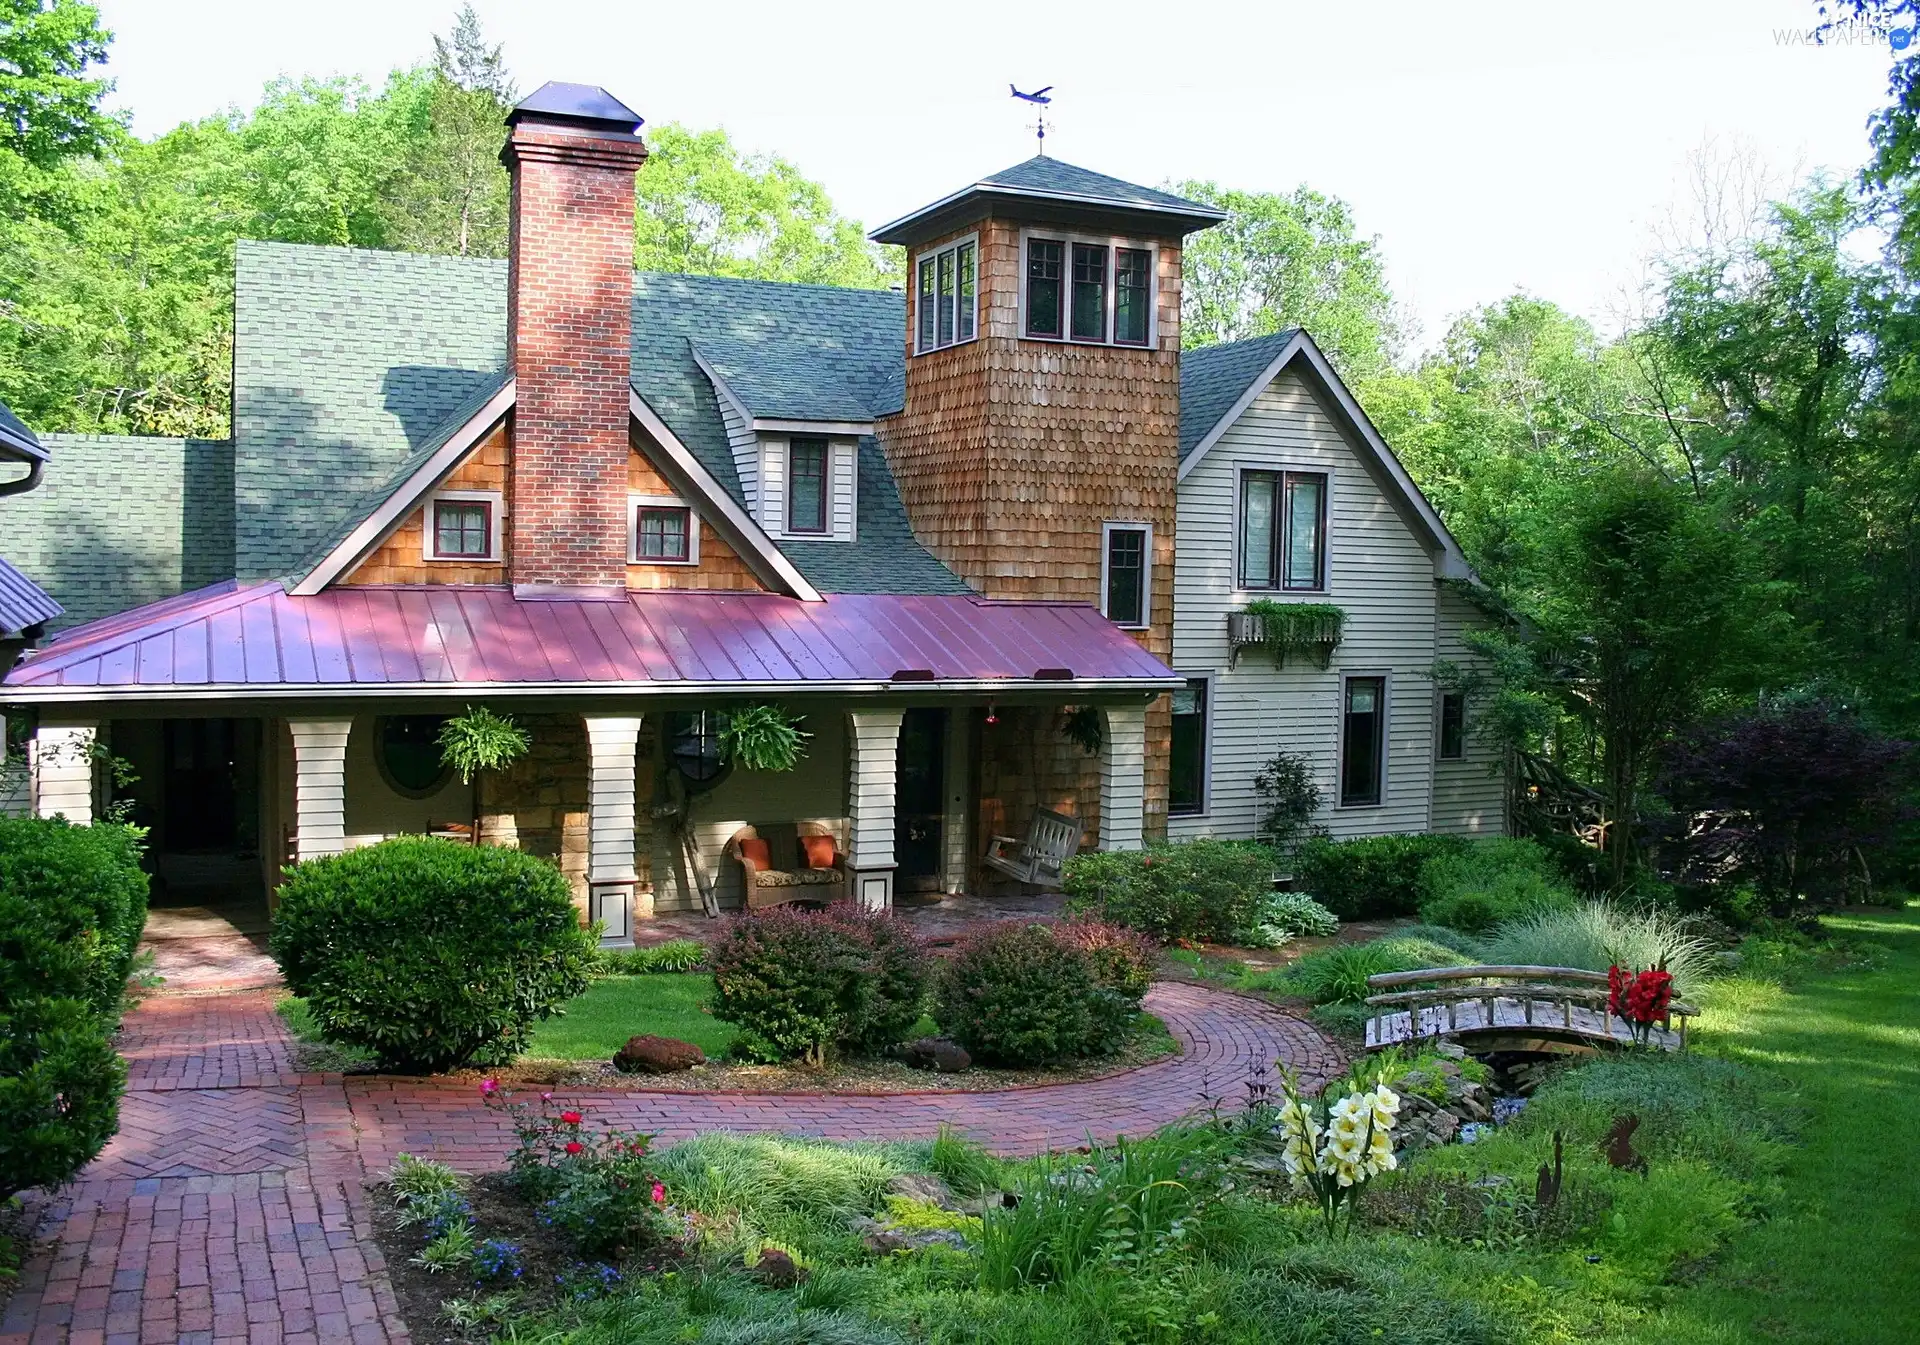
<point x="231" y="1206"/>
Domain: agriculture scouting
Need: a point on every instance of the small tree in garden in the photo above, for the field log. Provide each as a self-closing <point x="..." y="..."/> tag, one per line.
<point x="1796" y="798"/>
<point x="1289" y="802"/>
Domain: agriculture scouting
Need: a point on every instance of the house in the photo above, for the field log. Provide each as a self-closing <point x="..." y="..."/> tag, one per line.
<point x="940" y="524"/>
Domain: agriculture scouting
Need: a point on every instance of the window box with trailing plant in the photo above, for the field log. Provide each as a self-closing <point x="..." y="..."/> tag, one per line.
<point x="1308" y="629"/>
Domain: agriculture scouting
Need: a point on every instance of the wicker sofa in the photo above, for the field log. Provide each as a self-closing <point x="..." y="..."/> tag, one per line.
<point x="767" y="885"/>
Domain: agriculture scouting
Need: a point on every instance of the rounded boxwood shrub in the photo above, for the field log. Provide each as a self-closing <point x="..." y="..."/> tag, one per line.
<point x="1490" y="882"/>
<point x="1371" y="878"/>
<point x="431" y="954"/>
<point x="1017" y="994"/>
<point x="803" y="984"/>
<point x="1201" y="889"/>
<point x="72" y="904"/>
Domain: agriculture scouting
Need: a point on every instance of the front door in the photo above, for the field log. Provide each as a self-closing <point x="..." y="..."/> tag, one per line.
<point x="917" y="801"/>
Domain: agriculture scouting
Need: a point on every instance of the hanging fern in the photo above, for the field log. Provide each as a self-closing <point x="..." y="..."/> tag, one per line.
<point x="481" y="740"/>
<point x="1083" y="727"/>
<point x="763" y="738"/>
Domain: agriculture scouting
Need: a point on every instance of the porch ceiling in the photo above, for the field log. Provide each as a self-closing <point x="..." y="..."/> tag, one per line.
<point x="400" y="640"/>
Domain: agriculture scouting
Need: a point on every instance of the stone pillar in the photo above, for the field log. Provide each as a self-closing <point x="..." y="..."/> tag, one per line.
<point x="62" y="762"/>
<point x="611" y="878"/>
<point x="1123" y="777"/>
<point x="319" y="786"/>
<point x="873" y="741"/>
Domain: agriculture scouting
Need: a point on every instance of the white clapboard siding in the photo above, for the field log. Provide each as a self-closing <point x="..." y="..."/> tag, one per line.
<point x="320" y="785"/>
<point x="1469" y="796"/>
<point x="843" y="484"/>
<point x="1380" y="573"/>
<point x="745" y="445"/>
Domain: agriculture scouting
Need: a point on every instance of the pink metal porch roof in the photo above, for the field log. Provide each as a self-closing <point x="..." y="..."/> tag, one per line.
<point x="402" y="640"/>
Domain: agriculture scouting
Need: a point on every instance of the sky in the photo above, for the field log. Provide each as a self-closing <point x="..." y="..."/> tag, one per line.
<point x="1492" y="147"/>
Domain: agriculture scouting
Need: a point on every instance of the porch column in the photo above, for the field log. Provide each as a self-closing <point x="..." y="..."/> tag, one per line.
<point x="62" y="763"/>
<point x="319" y="786"/>
<point x="1123" y="777"/>
<point x="873" y="770"/>
<point x="612" y="741"/>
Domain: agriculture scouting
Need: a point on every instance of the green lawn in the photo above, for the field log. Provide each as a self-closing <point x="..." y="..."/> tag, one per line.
<point x="598" y="1023"/>
<point x="1838" y="1261"/>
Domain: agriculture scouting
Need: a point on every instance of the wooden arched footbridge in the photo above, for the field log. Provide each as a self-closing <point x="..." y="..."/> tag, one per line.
<point x="1506" y="1008"/>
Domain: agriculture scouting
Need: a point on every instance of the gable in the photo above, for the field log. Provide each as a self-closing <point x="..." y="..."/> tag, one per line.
<point x="401" y="558"/>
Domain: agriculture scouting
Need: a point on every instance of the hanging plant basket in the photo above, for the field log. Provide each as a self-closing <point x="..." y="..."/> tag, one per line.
<point x="1311" y="630"/>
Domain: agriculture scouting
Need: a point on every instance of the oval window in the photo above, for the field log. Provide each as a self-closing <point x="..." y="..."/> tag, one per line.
<point x="694" y="747"/>
<point x="408" y="750"/>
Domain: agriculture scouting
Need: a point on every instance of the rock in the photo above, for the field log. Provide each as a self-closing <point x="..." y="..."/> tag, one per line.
<point x="1445" y="1126"/>
<point x="923" y="1187"/>
<point x="1412" y="1081"/>
<point x="1472" y="1108"/>
<point x="657" y="1055"/>
<point x="939" y="1054"/>
<point x="777" y="1270"/>
<point x="1453" y="1050"/>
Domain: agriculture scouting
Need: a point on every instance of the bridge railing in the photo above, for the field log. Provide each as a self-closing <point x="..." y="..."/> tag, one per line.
<point x="1579" y="996"/>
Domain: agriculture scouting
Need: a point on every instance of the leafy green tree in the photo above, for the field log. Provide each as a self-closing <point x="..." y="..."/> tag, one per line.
<point x="451" y="195"/>
<point x="1283" y="261"/>
<point x="49" y="108"/>
<point x="707" y="208"/>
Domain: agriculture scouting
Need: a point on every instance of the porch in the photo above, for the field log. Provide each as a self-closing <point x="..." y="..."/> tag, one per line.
<point x="910" y="791"/>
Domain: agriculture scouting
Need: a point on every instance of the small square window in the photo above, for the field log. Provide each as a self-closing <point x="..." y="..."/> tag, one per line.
<point x="663" y="532"/>
<point x="462" y="530"/>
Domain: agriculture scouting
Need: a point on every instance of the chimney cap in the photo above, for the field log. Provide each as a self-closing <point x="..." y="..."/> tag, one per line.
<point x="582" y="104"/>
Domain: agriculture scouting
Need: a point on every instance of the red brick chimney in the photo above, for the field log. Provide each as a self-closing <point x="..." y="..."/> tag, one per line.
<point x="572" y="151"/>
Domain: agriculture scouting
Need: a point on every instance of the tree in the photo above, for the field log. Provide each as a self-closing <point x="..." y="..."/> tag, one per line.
<point x="1288" y="261"/>
<point x="1644" y="611"/>
<point x="706" y="208"/>
<point x="451" y="195"/>
<point x="49" y="109"/>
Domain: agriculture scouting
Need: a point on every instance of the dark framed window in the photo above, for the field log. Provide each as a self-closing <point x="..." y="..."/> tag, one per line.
<point x="1453" y="725"/>
<point x="462" y="529"/>
<point x="693" y="746"/>
<point x="1125" y="599"/>
<point x="407" y="750"/>
<point x="1089" y="292"/>
<point x="1132" y="296"/>
<point x="1283" y="530"/>
<point x="1046" y="276"/>
<point x="663" y="532"/>
<point x="1363" y="740"/>
<point x="1187" y="786"/>
<point x="807" y="485"/>
<point x="948" y="295"/>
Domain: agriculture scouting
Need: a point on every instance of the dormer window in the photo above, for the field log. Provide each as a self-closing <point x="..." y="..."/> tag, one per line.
<point x="463" y="525"/>
<point x="949" y="295"/>
<point x="806" y="485"/>
<point x="1090" y="291"/>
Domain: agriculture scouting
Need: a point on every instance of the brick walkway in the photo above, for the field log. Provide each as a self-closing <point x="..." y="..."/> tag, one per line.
<point x="231" y="1207"/>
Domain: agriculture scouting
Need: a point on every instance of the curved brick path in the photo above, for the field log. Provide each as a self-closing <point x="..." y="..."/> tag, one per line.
<point x="230" y="1206"/>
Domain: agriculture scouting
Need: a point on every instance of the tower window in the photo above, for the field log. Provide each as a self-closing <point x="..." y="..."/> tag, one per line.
<point x="1088" y="291"/>
<point x="947" y="296"/>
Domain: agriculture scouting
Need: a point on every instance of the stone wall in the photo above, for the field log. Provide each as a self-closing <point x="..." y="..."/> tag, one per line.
<point x="539" y="804"/>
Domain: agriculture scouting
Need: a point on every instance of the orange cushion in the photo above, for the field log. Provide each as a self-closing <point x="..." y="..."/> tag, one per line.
<point x="756" y="851"/>
<point x="819" y="851"/>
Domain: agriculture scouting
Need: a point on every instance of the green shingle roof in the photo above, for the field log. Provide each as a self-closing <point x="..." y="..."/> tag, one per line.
<point x="1213" y="378"/>
<point x="775" y="381"/>
<point x="118" y="521"/>
<point x="1042" y="182"/>
<point x="883" y="557"/>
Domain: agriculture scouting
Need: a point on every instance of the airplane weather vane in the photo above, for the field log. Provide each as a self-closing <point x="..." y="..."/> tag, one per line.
<point x="1039" y="100"/>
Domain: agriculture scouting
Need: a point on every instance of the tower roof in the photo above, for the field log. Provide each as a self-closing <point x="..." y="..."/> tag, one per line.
<point x="1054" y="189"/>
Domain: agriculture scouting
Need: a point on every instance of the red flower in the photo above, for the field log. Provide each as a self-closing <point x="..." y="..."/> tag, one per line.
<point x="659" y="1193"/>
<point x="488" y="1087"/>
<point x="574" y="1147"/>
<point x="1639" y="997"/>
<point x="572" y="1118"/>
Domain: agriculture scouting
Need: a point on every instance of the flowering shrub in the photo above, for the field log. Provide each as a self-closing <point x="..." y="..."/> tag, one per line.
<point x="1640" y="997"/>
<point x="1121" y="959"/>
<point x="806" y="983"/>
<point x="599" y="1190"/>
<point x="497" y="1259"/>
<point x="1333" y="1148"/>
